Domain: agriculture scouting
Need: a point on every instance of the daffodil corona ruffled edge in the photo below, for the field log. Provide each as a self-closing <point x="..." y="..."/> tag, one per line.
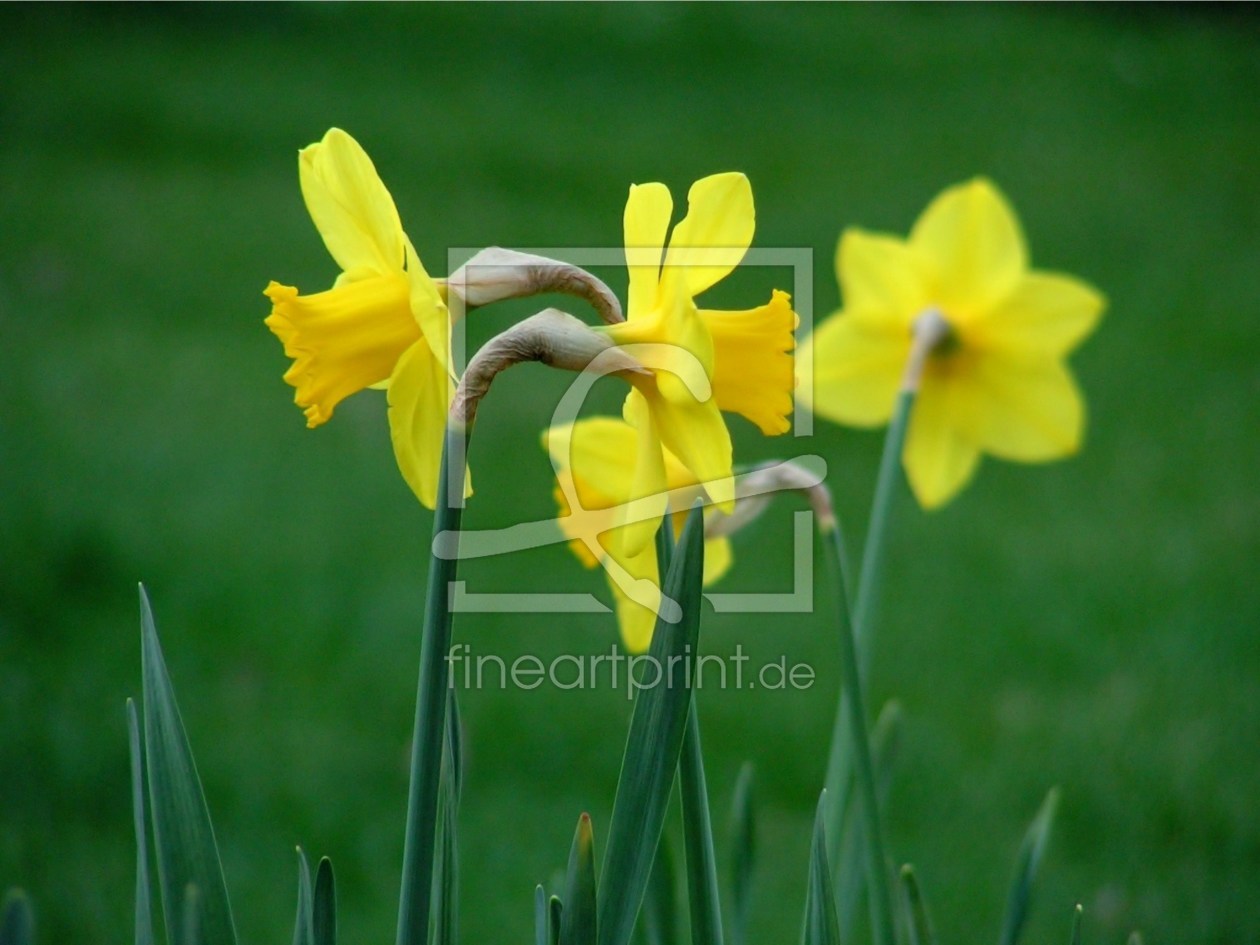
<point x="384" y="322"/>
<point x="999" y="384"/>
<point x="595" y="460"/>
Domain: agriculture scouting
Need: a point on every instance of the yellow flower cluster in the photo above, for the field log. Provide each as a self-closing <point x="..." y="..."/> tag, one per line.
<point x="996" y="384"/>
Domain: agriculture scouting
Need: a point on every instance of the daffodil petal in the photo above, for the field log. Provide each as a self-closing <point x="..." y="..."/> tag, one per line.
<point x="598" y="450"/>
<point x="348" y="202"/>
<point x="1023" y="409"/>
<point x="645" y="223"/>
<point x="696" y="433"/>
<point x="428" y="308"/>
<point x="883" y="276"/>
<point x="851" y="368"/>
<point x="715" y="234"/>
<point x="648" y="498"/>
<point x="939" y="460"/>
<point x="637" y="621"/>
<point x="974" y="239"/>
<point x="419" y="396"/>
<point x="1047" y="314"/>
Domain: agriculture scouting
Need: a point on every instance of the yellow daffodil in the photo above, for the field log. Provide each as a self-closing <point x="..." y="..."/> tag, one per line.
<point x="702" y="362"/>
<point x="997" y="383"/>
<point x="383" y="323"/>
<point x="595" y="460"/>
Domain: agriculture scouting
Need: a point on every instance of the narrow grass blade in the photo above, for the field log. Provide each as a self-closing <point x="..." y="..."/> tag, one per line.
<point x="428" y="735"/>
<point x="17" y="919"/>
<point x="658" y="921"/>
<point x="302" y="931"/>
<point x="821" y="925"/>
<point x="140" y="820"/>
<point x="1030" y="854"/>
<point x="1135" y="938"/>
<point x="324" y="905"/>
<point x="653" y="745"/>
<point x="743" y="853"/>
<point x="183" y="837"/>
<point x="578" y="924"/>
<point x="1076" y="924"/>
<point x="850" y="876"/>
<point x="918" y="919"/>
<point x="541" y="935"/>
<point x="702" y="880"/>
<point x="555" y="915"/>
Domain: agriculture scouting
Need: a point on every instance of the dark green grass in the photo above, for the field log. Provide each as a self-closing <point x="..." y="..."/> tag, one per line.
<point x="1091" y="624"/>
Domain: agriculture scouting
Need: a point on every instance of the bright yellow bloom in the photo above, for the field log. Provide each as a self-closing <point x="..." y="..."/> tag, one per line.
<point x="595" y="461"/>
<point x="998" y="384"/>
<point x="703" y="362"/>
<point x="384" y="321"/>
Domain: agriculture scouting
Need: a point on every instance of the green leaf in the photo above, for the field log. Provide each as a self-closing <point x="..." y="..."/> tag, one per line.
<point x="578" y="924"/>
<point x="821" y="926"/>
<point x="653" y="745"/>
<point x="555" y="916"/>
<point x="324" y="905"/>
<point x="1029" y="859"/>
<point x="140" y="821"/>
<point x="1135" y="937"/>
<point x="428" y="735"/>
<point x="541" y="936"/>
<point x="1076" y="924"/>
<point x="183" y="837"/>
<point x="918" y="920"/>
<point x="743" y="853"/>
<point x="17" y="919"/>
<point x="702" y="880"/>
<point x="658" y="920"/>
<point x="851" y="875"/>
<point x="302" y="934"/>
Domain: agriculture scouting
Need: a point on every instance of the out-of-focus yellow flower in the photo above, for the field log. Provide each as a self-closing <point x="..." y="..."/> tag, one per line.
<point x="702" y="362"/>
<point x="595" y="460"/>
<point x="383" y="323"/>
<point x="997" y="384"/>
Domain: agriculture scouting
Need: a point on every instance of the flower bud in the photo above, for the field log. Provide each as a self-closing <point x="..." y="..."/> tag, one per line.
<point x="495" y="274"/>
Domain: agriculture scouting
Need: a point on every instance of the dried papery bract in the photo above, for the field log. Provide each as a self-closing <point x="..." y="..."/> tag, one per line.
<point x="495" y="274"/>
<point x="551" y="337"/>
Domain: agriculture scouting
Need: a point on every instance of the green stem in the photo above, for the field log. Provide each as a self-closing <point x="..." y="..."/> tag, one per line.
<point x="839" y="765"/>
<point x="864" y="770"/>
<point x="430" y="723"/>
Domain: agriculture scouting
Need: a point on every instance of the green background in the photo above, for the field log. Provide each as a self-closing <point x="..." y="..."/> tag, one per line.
<point x="1090" y="624"/>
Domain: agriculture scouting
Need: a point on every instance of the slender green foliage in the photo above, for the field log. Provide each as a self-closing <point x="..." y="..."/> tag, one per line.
<point x="428" y="735"/>
<point x="324" y="905"/>
<point x="541" y="916"/>
<point x="555" y="915"/>
<point x="445" y="916"/>
<point x="578" y="922"/>
<point x="302" y="926"/>
<point x="140" y="822"/>
<point x="918" y="921"/>
<point x="1031" y="851"/>
<point x="743" y="853"/>
<point x="1076" y="924"/>
<point x="821" y="926"/>
<point x="17" y="919"/>
<point x="653" y="745"/>
<point x="183" y="837"/>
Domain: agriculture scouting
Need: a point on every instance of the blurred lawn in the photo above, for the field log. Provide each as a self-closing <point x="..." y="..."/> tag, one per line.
<point x="1091" y="624"/>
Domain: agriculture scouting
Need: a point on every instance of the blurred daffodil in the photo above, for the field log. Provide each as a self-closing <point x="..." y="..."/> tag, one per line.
<point x="383" y="323"/>
<point x="702" y="362"/>
<point x="996" y="382"/>
<point x="595" y="462"/>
